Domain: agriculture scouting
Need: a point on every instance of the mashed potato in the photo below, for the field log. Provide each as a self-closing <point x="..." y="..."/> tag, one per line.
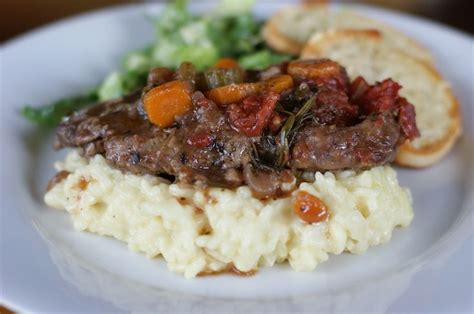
<point x="198" y="231"/>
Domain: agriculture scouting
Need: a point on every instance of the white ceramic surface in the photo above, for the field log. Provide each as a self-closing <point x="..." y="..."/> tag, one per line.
<point x="47" y="266"/>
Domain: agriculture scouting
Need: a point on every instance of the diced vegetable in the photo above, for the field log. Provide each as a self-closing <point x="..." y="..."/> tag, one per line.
<point x="313" y="69"/>
<point x="217" y="77"/>
<point x="226" y="63"/>
<point x="359" y="87"/>
<point x="232" y="93"/>
<point x="278" y="83"/>
<point x="166" y="102"/>
<point x="235" y="93"/>
<point x="253" y="114"/>
<point x="310" y="208"/>
<point x="187" y="72"/>
<point x="158" y="76"/>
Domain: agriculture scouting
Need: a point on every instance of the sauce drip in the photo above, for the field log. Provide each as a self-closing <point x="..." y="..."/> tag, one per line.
<point x="58" y="177"/>
<point x="230" y="269"/>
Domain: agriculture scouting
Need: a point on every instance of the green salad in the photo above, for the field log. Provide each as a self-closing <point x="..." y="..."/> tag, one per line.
<point x="228" y="31"/>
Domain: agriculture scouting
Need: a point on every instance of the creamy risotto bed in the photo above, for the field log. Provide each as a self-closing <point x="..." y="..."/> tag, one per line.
<point x="200" y="231"/>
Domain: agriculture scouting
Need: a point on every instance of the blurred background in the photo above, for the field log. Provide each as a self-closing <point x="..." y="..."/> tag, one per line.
<point x="18" y="16"/>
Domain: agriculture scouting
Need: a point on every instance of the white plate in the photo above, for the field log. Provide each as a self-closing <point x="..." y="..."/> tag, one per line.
<point x="84" y="272"/>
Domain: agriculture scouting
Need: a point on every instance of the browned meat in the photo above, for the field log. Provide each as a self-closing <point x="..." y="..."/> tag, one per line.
<point x="370" y="143"/>
<point x="263" y="141"/>
<point x="333" y="108"/>
<point x="103" y="120"/>
<point x="202" y="148"/>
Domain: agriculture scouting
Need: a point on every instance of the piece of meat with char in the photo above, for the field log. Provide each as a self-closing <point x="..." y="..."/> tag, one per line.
<point x="370" y="143"/>
<point x="264" y="140"/>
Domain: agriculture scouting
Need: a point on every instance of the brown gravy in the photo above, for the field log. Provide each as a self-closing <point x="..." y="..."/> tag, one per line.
<point x="58" y="177"/>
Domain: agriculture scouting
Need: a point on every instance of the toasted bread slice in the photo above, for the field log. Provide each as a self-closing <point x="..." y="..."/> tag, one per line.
<point x="366" y="53"/>
<point x="288" y="30"/>
<point x="279" y="41"/>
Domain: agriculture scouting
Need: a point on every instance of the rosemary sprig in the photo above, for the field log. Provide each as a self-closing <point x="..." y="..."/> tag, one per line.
<point x="278" y="147"/>
<point x="290" y="129"/>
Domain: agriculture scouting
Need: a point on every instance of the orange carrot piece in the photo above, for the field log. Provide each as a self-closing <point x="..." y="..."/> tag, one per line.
<point x="312" y="69"/>
<point x="232" y="93"/>
<point x="226" y="63"/>
<point x="278" y="83"/>
<point x="167" y="101"/>
<point x="235" y="93"/>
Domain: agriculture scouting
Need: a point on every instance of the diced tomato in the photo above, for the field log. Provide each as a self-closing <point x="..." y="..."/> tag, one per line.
<point x="253" y="114"/>
<point x="379" y="98"/>
<point x="359" y="87"/>
<point x="226" y="63"/>
<point x="407" y="119"/>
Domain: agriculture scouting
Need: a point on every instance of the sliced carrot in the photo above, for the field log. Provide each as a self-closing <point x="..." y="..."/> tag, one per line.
<point x="235" y="93"/>
<point x="226" y="63"/>
<point x="232" y="93"/>
<point x="278" y="83"/>
<point x="312" y="69"/>
<point x="167" y="101"/>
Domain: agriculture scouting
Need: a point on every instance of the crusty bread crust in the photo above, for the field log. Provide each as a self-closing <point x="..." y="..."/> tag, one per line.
<point x="279" y="41"/>
<point x="364" y="52"/>
<point x="327" y="18"/>
<point x="430" y="154"/>
<point x="316" y="45"/>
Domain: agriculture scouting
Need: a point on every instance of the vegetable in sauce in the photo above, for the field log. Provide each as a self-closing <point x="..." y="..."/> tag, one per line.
<point x="310" y="208"/>
<point x="179" y="36"/>
<point x="165" y="102"/>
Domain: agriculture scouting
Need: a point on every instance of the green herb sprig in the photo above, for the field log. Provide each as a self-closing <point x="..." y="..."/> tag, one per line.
<point x="274" y="152"/>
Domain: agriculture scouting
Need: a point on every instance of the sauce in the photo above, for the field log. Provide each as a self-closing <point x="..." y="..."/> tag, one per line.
<point x="230" y="269"/>
<point x="58" y="177"/>
<point x="82" y="184"/>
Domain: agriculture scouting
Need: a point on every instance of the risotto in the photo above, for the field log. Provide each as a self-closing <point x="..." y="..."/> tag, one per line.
<point x="200" y="231"/>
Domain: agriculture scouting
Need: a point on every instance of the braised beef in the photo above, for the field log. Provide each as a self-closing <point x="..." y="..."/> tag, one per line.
<point x="367" y="144"/>
<point x="265" y="141"/>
